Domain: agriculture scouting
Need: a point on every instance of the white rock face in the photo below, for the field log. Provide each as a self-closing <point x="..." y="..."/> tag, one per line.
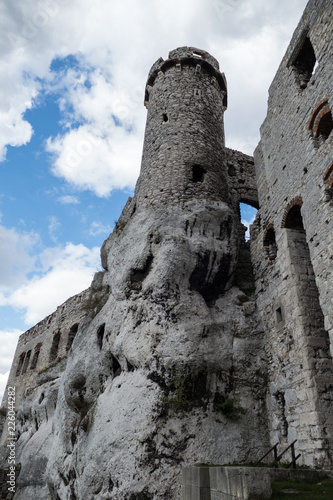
<point x="147" y="375"/>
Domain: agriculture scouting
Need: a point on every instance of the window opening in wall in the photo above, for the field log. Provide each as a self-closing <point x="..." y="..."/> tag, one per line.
<point x="306" y="298"/>
<point x="247" y="214"/>
<point x="270" y="246"/>
<point x="294" y="219"/>
<point x="278" y="315"/>
<point x="20" y="363"/>
<point x="72" y="332"/>
<point x="116" y="368"/>
<point x="165" y="117"/>
<point x="321" y="123"/>
<point x="304" y="63"/>
<point x="100" y="335"/>
<point x="324" y="126"/>
<point x="54" y="346"/>
<point x="198" y="173"/>
<point x="34" y="360"/>
<point x="328" y="183"/>
<point x="26" y="362"/>
<point x="329" y="194"/>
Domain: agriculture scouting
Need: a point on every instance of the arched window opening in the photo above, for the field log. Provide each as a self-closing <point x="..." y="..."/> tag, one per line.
<point x="306" y="293"/>
<point x="26" y="362"/>
<point x="270" y="246"/>
<point x="100" y="335"/>
<point x="294" y="219"/>
<point x="323" y="126"/>
<point x="54" y="346"/>
<point x="72" y="332"/>
<point x="34" y="359"/>
<point x="321" y="123"/>
<point x="304" y="62"/>
<point x="20" y="363"/>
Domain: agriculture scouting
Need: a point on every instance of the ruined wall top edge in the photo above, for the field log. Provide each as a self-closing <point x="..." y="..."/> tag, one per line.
<point x="65" y="308"/>
<point x="313" y="10"/>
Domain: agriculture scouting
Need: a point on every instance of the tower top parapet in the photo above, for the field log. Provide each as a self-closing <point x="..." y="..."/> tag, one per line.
<point x="187" y="56"/>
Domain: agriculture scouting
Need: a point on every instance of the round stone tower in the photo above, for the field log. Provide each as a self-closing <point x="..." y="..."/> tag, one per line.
<point x="183" y="152"/>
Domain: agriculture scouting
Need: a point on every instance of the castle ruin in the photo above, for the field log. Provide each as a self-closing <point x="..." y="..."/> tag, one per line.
<point x="193" y="345"/>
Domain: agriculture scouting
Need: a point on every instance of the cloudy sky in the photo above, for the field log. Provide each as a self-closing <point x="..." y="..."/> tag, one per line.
<point x="72" y="122"/>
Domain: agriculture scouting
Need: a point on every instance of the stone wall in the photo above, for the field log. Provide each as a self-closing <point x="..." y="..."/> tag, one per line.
<point x="183" y="153"/>
<point x="241" y="178"/>
<point x="45" y="347"/>
<point x="240" y="483"/>
<point x="292" y="239"/>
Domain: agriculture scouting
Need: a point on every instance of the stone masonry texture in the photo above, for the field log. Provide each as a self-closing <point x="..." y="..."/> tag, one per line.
<point x="193" y="345"/>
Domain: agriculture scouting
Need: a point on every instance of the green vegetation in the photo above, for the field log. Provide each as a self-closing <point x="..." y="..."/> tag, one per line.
<point x="181" y="386"/>
<point x="96" y="300"/>
<point x="3" y="412"/>
<point x="291" y="490"/>
<point x="230" y="409"/>
<point x="242" y="299"/>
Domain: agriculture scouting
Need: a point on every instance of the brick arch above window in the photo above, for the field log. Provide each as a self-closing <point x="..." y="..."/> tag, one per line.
<point x="295" y="203"/>
<point x="328" y="184"/>
<point x="328" y="176"/>
<point x="321" y="122"/>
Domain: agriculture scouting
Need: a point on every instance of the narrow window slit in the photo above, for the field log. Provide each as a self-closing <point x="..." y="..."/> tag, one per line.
<point x="100" y="335"/>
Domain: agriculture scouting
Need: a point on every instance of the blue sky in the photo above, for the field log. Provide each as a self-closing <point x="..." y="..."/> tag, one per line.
<point x="72" y="77"/>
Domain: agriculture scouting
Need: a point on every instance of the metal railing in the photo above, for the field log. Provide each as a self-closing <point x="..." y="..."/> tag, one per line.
<point x="277" y="457"/>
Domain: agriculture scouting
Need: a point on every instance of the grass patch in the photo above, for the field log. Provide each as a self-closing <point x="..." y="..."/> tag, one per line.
<point x="291" y="490"/>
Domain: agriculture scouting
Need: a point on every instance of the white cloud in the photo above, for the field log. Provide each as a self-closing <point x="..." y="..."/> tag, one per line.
<point x="68" y="200"/>
<point x="121" y="40"/>
<point x="16" y="258"/>
<point x="3" y="383"/>
<point x="54" y="226"/>
<point x="98" y="228"/>
<point x="38" y="284"/>
<point x="248" y="223"/>
<point x="67" y="270"/>
<point x="8" y="341"/>
<point x="101" y="166"/>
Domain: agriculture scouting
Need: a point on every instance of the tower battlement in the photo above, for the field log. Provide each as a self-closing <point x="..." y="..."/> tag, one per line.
<point x="189" y="56"/>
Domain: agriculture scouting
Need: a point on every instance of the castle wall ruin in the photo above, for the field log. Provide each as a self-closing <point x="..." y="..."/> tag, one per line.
<point x="292" y="239"/>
